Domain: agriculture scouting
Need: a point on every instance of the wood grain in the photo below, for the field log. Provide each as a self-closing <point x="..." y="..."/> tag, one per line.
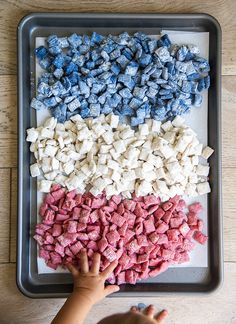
<point x="218" y="308"/>
<point x="11" y="11"/>
<point x="8" y="122"/>
<point x="4" y="214"/>
<point x="13" y="215"/>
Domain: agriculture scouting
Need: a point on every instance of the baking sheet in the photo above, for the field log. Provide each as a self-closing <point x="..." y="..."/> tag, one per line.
<point x="197" y="120"/>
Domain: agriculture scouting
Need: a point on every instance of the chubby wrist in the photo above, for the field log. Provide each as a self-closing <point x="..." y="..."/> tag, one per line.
<point x="83" y="296"/>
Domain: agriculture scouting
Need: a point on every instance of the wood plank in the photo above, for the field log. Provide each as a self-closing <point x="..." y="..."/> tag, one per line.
<point x="11" y="11"/>
<point x="216" y="308"/>
<point x="228" y="121"/>
<point x="13" y="215"/>
<point x="229" y="214"/>
<point x="4" y="214"/>
<point x="8" y="122"/>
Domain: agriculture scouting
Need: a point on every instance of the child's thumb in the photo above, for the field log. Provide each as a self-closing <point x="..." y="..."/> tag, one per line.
<point x="111" y="289"/>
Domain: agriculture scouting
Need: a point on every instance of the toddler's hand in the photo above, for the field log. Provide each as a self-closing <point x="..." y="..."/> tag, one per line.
<point x="89" y="283"/>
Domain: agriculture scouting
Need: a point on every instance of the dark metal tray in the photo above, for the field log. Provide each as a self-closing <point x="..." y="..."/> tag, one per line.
<point x="181" y="280"/>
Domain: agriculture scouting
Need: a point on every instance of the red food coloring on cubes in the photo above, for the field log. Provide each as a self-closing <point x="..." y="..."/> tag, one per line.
<point x="143" y="234"/>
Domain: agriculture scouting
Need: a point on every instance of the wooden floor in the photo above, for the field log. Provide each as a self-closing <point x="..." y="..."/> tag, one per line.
<point x="219" y="307"/>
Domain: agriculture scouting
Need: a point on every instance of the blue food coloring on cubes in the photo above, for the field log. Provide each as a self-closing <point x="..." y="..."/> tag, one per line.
<point x="133" y="76"/>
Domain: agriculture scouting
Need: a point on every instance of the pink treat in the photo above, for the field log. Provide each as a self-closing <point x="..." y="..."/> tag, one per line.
<point x="184" y="229"/>
<point x="109" y="254"/>
<point x="162" y="228"/>
<point x="195" y="208"/>
<point x="72" y="227"/>
<point x="118" y="219"/>
<point x="200" y="237"/>
<point x="102" y="244"/>
<point x="149" y="226"/>
<point x="113" y="237"/>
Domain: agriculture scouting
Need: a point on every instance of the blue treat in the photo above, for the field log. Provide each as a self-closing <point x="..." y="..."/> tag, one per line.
<point x="135" y="103"/>
<point x="165" y="40"/>
<point x="168" y="96"/>
<point x="186" y="86"/>
<point x="171" y="68"/>
<point x="96" y="38"/>
<point x="75" y="40"/>
<point x="154" y="72"/>
<point x="204" y="67"/>
<point x="123" y="61"/>
<point x="45" y="63"/>
<point x="68" y="99"/>
<point x="148" y="68"/>
<point x="124" y="78"/>
<point x="181" y="53"/>
<point x="105" y="56"/>
<point x="95" y="55"/>
<point x="84" y="49"/>
<point x="139" y="92"/>
<point x="165" y="73"/>
<point x="163" y="54"/>
<point x="151" y="93"/>
<point x="115" y="69"/>
<point x="41" y="52"/>
<point x="152" y="45"/>
<point x="153" y="84"/>
<point x="59" y="61"/>
<point x="140" y="35"/>
<point x="58" y="73"/>
<point x="160" y="81"/>
<point x="102" y="98"/>
<point x="93" y="99"/>
<point x="74" y="77"/>
<point x="127" y="53"/>
<point x="54" y="50"/>
<point x="37" y="105"/>
<point x="108" y="77"/>
<point x="94" y="110"/>
<point x="109" y="47"/>
<point x="132" y="68"/>
<point x="145" y="46"/>
<point x="135" y="121"/>
<point x="66" y="84"/>
<point x="85" y="112"/>
<point x="73" y="105"/>
<point x="111" y="89"/>
<point x="115" y="54"/>
<point x="83" y="104"/>
<point x="106" y="109"/>
<point x="90" y="81"/>
<point x="52" y="40"/>
<point x="157" y="61"/>
<point x="194" y="86"/>
<point x="79" y="59"/>
<point x="125" y="93"/>
<point x="144" y="79"/>
<point x="127" y="111"/>
<point x="75" y="90"/>
<point x="50" y="102"/>
<point x="114" y="100"/>
<point x="164" y="92"/>
<point x="97" y="87"/>
<point x="201" y="85"/>
<point x="207" y="81"/>
<point x="167" y="87"/>
<point x="57" y="89"/>
<point x="86" y="72"/>
<point x="145" y="59"/>
<point x="181" y="66"/>
<point x="193" y="76"/>
<point x="160" y="114"/>
<point x="141" y="113"/>
<point x="86" y="40"/>
<point x="44" y="89"/>
<point x="63" y="42"/>
<point x="56" y="111"/>
<point x="71" y="67"/>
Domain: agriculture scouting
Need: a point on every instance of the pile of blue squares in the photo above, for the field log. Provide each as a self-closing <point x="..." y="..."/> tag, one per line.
<point x="135" y="77"/>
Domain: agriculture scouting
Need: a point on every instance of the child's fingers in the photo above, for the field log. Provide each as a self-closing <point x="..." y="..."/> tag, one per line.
<point x="96" y="263"/>
<point x="161" y="317"/>
<point x="149" y="311"/>
<point x="133" y="309"/>
<point x="84" y="267"/>
<point x="107" y="272"/>
<point x="74" y="271"/>
<point x="110" y="289"/>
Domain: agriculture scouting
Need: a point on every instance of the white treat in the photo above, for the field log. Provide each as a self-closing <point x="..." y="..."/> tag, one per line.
<point x="207" y="152"/>
<point x="44" y="185"/>
<point x="203" y="188"/>
<point x="34" y="170"/>
<point x="32" y="135"/>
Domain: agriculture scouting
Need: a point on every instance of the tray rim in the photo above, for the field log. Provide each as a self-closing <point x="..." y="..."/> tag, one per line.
<point x="21" y="24"/>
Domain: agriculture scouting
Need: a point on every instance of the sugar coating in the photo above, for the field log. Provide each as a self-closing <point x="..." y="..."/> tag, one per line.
<point x="133" y="76"/>
<point x="159" y="159"/>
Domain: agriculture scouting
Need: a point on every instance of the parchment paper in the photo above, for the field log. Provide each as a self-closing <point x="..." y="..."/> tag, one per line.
<point x="197" y="120"/>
